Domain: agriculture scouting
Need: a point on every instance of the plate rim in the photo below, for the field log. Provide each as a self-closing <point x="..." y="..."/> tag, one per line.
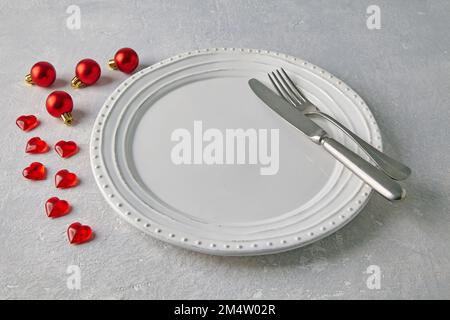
<point x="234" y="248"/>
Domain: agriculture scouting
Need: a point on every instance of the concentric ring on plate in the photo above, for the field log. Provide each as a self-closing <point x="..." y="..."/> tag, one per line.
<point x="118" y="127"/>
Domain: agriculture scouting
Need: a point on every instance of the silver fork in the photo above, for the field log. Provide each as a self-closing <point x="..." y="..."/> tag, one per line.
<point x="289" y="91"/>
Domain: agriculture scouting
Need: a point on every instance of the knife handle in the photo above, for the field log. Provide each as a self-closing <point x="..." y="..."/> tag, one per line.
<point x="375" y="178"/>
<point x="393" y="168"/>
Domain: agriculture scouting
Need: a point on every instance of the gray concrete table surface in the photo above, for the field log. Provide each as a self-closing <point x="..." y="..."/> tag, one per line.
<point x="402" y="70"/>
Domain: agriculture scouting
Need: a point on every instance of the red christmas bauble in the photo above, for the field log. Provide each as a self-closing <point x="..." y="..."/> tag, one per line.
<point x="60" y="104"/>
<point x="126" y="60"/>
<point x="42" y="74"/>
<point x="88" y="71"/>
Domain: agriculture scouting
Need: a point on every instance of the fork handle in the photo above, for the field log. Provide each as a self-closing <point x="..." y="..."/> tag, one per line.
<point x="375" y="178"/>
<point x="391" y="167"/>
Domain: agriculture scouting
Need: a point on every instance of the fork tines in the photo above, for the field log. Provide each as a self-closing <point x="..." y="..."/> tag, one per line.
<point x="286" y="87"/>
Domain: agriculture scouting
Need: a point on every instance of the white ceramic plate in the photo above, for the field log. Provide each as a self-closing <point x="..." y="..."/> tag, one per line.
<point x="226" y="209"/>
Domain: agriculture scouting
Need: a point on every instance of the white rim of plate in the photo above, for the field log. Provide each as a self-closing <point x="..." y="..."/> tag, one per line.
<point x="229" y="248"/>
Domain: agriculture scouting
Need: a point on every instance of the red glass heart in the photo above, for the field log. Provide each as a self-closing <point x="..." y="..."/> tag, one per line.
<point x="35" y="171"/>
<point x="78" y="233"/>
<point x="65" y="179"/>
<point x="27" y="123"/>
<point x="56" y="208"/>
<point x="66" y="149"/>
<point x="36" y="145"/>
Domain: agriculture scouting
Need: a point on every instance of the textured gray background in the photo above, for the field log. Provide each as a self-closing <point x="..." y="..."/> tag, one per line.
<point x="402" y="71"/>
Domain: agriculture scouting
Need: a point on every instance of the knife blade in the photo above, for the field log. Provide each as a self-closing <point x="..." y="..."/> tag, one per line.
<point x="292" y="115"/>
<point x="375" y="178"/>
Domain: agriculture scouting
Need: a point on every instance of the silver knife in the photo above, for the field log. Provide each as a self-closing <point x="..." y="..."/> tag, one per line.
<point x="375" y="178"/>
